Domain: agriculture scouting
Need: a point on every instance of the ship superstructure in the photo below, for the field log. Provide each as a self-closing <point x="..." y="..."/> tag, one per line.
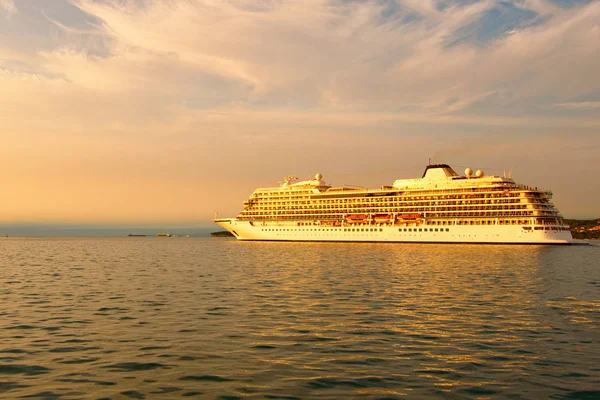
<point x="441" y="206"/>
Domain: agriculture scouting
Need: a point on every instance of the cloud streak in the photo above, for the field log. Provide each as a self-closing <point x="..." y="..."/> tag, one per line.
<point x="580" y="105"/>
<point x="8" y="6"/>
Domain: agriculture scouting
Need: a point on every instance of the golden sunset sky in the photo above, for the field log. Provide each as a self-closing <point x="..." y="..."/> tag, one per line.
<point x="165" y="111"/>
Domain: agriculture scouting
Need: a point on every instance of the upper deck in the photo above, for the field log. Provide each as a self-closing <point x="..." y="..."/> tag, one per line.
<point x="436" y="178"/>
<point x="443" y="176"/>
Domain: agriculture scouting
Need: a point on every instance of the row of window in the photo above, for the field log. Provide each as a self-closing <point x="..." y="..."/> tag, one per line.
<point x="423" y="230"/>
<point x="355" y="229"/>
<point x="324" y="229"/>
<point x="405" y="208"/>
<point x="547" y="228"/>
<point x="377" y="229"/>
<point x="270" y="215"/>
<point x="361" y="199"/>
<point x="488" y="204"/>
<point x="550" y="222"/>
<point x="477" y="221"/>
<point x="428" y="193"/>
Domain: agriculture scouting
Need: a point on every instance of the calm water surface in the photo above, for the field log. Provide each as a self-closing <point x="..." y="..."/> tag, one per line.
<point x="90" y="318"/>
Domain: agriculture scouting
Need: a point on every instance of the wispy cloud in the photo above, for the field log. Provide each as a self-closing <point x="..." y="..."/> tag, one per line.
<point x="578" y="105"/>
<point x="8" y="6"/>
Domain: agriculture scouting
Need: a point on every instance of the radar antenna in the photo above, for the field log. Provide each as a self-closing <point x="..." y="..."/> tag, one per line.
<point x="288" y="179"/>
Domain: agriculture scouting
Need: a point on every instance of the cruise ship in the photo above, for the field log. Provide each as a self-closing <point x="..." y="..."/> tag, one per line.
<point x="440" y="207"/>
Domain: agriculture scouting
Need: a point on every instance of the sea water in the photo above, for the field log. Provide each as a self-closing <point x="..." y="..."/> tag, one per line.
<point x="91" y="318"/>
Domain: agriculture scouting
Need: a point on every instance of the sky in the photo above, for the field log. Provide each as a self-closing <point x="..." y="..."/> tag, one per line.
<point x="157" y="112"/>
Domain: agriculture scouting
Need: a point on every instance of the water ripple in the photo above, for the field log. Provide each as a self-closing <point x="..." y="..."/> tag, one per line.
<point x="148" y="318"/>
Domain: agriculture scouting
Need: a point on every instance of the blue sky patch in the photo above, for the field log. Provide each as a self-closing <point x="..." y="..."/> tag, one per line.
<point x="571" y="3"/>
<point x="494" y="24"/>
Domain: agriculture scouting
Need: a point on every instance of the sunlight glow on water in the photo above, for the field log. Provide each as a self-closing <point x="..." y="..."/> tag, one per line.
<point x="170" y="317"/>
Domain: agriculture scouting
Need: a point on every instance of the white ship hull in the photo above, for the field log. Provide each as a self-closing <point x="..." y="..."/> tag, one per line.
<point x="509" y="234"/>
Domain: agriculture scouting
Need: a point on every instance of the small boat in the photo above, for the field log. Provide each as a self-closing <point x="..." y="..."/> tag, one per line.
<point x="135" y="235"/>
<point x="163" y="234"/>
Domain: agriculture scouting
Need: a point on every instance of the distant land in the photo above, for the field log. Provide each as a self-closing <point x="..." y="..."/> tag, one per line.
<point x="99" y="230"/>
<point x="584" y="228"/>
<point x="580" y="229"/>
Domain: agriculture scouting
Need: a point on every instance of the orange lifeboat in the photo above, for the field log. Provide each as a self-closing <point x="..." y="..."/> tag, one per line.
<point x="356" y="218"/>
<point x="382" y="218"/>
<point x="409" y="217"/>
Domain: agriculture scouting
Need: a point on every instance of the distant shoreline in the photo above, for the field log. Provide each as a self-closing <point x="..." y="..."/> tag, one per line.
<point x="92" y="230"/>
<point x="588" y="229"/>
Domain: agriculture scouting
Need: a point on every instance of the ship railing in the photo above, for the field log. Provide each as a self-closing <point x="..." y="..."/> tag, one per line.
<point x="531" y="188"/>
